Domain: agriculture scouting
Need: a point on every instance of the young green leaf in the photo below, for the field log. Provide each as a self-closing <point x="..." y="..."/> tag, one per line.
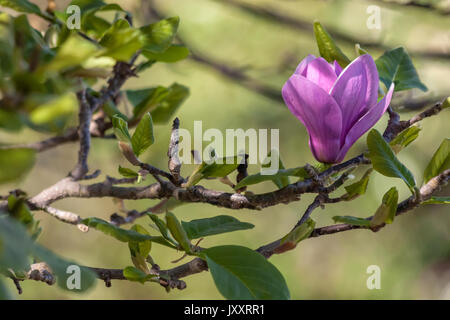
<point x="384" y="160"/>
<point x="128" y="173"/>
<point x="174" y="53"/>
<point x="134" y="274"/>
<point x="162" y="227"/>
<point x="159" y="35"/>
<point x="281" y="174"/>
<point x="140" y="250"/>
<point x="327" y="47"/>
<point x="120" y="127"/>
<point x="302" y="232"/>
<point x="355" y="221"/>
<point x="146" y="100"/>
<point x="116" y="232"/>
<point x="177" y="231"/>
<point x="404" y="138"/>
<point x="15" y="163"/>
<point x="210" y="226"/>
<point x="214" y="170"/>
<point x="387" y="210"/>
<point x="395" y="66"/>
<point x="166" y="109"/>
<point x="143" y="135"/>
<point x="243" y="274"/>
<point x="279" y="181"/>
<point x="121" y="41"/>
<point x="358" y="188"/>
<point x="439" y="162"/>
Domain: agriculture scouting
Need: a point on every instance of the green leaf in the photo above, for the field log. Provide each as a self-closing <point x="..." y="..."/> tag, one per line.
<point x="10" y="121"/>
<point x="134" y="274"/>
<point x="439" y="162"/>
<point x="174" y="53"/>
<point x="121" y="129"/>
<point x="15" y="163"/>
<point x="404" y="138"/>
<point x="159" y="35"/>
<point x="177" y="231"/>
<point x="302" y="232"/>
<point x="116" y="232"/>
<point x="162" y="227"/>
<point x="243" y="274"/>
<point x="4" y="293"/>
<point x="145" y="100"/>
<point x="214" y="170"/>
<point x="140" y="250"/>
<point x="395" y="66"/>
<point x="210" y="226"/>
<point x="358" y="188"/>
<point x="121" y="41"/>
<point x="279" y="176"/>
<point x="355" y="221"/>
<point x="446" y="103"/>
<point x="54" y="115"/>
<point x="73" y="52"/>
<point x="166" y="109"/>
<point x="384" y="160"/>
<point x="279" y="181"/>
<point x="387" y="210"/>
<point x="143" y="136"/>
<point x="128" y="173"/>
<point x="327" y="47"/>
<point x="21" y="6"/>
<point x="437" y="200"/>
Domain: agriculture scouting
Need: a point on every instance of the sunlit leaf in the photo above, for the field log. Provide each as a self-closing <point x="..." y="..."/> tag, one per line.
<point x="439" y="162"/>
<point x="15" y="163"/>
<point x="387" y="210"/>
<point x="143" y="135"/>
<point x="159" y="35"/>
<point x="327" y="47"/>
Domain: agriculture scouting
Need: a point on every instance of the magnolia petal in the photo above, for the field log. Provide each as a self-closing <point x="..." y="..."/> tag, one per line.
<point x="356" y="90"/>
<point x="303" y="64"/>
<point x="337" y="68"/>
<point x="320" y="114"/>
<point x="366" y="122"/>
<point x="321" y="73"/>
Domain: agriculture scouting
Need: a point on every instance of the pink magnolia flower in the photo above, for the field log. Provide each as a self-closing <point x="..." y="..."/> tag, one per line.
<point x="336" y="106"/>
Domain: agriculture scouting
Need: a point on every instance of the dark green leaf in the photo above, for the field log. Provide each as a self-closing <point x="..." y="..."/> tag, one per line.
<point x="159" y="35"/>
<point x="143" y="136"/>
<point x="220" y="224"/>
<point x="358" y="188"/>
<point x="174" y="53"/>
<point x="355" y="221"/>
<point x="387" y="210"/>
<point x="404" y="138"/>
<point x="327" y="47"/>
<point x="243" y="274"/>
<point x="10" y="121"/>
<point x="146" y="100"/>
<point x="384" y="160"/>
<point x="439" y="162"/>
<point x="395" y="66"/>
<point x="14" y="163"/>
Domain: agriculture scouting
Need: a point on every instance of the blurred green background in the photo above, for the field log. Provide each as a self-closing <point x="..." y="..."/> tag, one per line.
<point x="413" y="253"/>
